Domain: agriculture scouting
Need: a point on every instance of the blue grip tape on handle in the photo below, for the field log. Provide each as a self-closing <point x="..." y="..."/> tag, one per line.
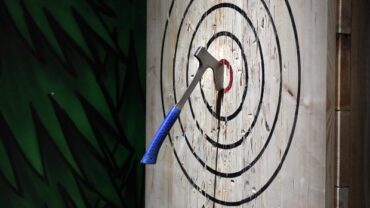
<point x="151" y="153"/>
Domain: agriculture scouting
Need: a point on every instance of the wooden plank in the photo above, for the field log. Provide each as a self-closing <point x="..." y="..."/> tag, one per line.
<point x="367" y="115"/>
<point x="367" y="112"/>
<point x="358" y="33"/>
<point x="283" y="121"/>
<point x="343" y="72"/>
<point x="351" y="103"/>
<point x="344" y="16"/>
<point x="343" y="156"/>
<point x="331" y="105"/>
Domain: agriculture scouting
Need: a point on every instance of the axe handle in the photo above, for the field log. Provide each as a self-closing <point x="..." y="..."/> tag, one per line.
<point x="150" y="156"/>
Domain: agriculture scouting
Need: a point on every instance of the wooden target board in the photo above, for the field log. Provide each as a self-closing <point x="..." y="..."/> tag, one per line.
<point x="265" y="146"/>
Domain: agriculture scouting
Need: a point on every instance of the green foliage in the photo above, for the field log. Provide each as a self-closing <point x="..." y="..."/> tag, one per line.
<point x="72" y="109"/>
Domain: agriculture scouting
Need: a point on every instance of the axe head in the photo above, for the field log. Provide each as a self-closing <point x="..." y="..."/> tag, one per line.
<point x="206" y="60"/>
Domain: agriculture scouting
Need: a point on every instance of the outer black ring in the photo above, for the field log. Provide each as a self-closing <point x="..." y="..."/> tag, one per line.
<point x="263" y="188"/>
<point x="209" y="107"/>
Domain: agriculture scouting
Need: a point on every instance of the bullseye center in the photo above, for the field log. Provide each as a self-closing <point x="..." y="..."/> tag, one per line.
<point x="228" y="74"/>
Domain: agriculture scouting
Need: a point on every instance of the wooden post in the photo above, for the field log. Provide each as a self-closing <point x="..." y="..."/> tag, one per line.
<point x="267" y="144"/>
<point x="351" y="96"/>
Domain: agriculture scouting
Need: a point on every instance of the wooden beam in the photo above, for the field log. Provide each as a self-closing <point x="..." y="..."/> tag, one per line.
<point x="350" y="103"/>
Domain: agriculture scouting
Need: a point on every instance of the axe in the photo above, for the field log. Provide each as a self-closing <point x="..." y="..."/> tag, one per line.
<point x="206" y="61"/>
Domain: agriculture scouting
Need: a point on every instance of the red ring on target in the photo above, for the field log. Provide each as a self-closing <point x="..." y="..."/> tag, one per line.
<point x="227" y="64"/>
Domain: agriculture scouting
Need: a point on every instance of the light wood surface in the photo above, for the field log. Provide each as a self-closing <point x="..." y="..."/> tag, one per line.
<point x="286" y="149"/>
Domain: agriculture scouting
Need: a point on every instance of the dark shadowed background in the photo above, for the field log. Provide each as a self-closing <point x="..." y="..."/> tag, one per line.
<point x="72" y="104"/>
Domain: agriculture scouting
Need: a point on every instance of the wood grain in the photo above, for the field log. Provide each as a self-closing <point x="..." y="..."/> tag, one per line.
<point x="331" y="105"/>
<point x="280" y="172"/>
